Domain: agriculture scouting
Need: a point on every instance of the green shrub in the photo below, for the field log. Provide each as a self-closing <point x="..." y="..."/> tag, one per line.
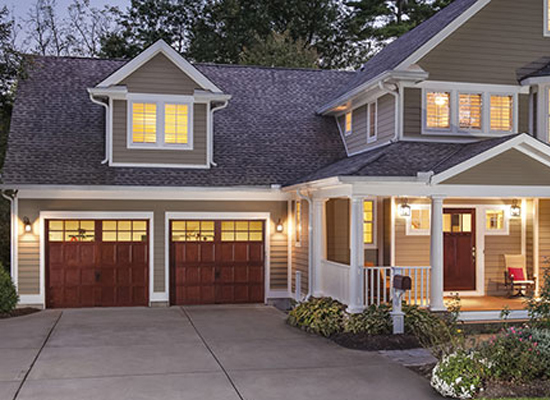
<point x="8" y="294"/>
<point x="539" y="308"/>
<point x="375" y="320"/>
<point x="429" y="329"/>
<point x="323" y="316"/>
<point x="515" y="357"/>
<point x="459" y="375"/>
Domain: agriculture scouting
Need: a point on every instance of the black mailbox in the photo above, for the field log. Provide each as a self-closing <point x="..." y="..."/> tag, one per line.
<point x="401" y="282"/>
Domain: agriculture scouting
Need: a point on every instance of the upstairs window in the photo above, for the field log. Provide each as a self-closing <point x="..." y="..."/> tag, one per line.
<point x="373" y="122"/>
<point x="438" y="110"/>
<point x="157" y="124"/>
<point x="349" y="124"/>
<point x="502" y="113"/>
<point x="546" y="14"/>
<point x="470" y="106"/>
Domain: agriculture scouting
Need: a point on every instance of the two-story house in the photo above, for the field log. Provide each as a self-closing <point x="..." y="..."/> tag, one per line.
<point x="160" y="182"/>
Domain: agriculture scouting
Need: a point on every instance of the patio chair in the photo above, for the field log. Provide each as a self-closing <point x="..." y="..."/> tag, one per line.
<point x="515" y="276"/>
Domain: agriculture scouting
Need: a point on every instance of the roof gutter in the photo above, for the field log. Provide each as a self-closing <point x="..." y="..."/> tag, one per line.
<point x="107" y="126"/>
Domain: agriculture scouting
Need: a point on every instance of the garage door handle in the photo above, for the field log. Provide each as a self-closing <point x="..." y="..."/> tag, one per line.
<point x="97" y="276"/>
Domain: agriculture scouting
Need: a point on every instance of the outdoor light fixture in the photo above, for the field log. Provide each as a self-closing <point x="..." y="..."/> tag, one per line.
<point x="27" y="223"/>
<point x="279" y="228"/>
<point x="515" y="210"/>
<point x="404" y="210"/>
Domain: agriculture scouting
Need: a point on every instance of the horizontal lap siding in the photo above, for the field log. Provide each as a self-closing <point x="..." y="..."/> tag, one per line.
<point x="544" y="236"/>
<point x="29" y="243"/>
<point x="502" y="38"/>
<point x="122" y="154"/>
<point x="386" y="118"/>
<point x="300" y="254"/>
<point x="410" y="250"/>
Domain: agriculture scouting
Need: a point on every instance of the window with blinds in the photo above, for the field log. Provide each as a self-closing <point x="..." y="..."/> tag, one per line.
<point x="144" y="122"/>
<point x="502" y="113"/>
<point x="470" y="111"/>
<point x="438" y="110"/>
<point x="176" y="123"/>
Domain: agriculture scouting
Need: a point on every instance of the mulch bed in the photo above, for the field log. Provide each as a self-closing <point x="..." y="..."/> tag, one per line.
<point x="495" y="390"/>
<point x="361" y="341"/>
<point x="424" y="371"/>
<point x="19" y="312"/>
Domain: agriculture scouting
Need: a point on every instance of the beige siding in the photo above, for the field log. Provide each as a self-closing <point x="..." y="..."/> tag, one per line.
<point x="523" y="114"/>
<point x="357" y="140"/>
<point x="300" y="254"/>
<point x="509" y="168"/>
<point x="338" y="230"/>
<point x="160" y="76"/>
<point x="122" y="154"/>
<point x="544" y="236"/>
<point x="29" y="247"/>
<point x="505" y="37"/>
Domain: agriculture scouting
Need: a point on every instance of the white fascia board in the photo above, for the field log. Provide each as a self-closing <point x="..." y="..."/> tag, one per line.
<point x="535" y="80"/>
<point x="442" y="35"/>
<point x="150" y="193"/>
<point x="114" y="92"/>
<point x="522" y="142"/>
<point x="160" y="47"/>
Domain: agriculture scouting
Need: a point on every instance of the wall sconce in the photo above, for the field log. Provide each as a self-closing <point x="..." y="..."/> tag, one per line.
<point x="404" y="210"/>
<point x="27" y="223"/>
<point x="515" y="210"/>
<point x="279" y="227"/>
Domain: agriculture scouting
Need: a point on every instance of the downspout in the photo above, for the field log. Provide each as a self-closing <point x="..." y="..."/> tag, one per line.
<point x="11" y="197"/>
<point x="211" y="133"/>
<point x="395" y="93"/>
<point x="310" y="242"/>
<point x="107" y="126"/>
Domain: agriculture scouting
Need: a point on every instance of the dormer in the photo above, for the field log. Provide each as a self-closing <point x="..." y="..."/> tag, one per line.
<point x="159" y="111"/>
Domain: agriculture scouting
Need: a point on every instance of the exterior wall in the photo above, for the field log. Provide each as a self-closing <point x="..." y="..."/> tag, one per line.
<point x="414" y="250"/>
<point x="122" y="154"/>
<point x="357" y="141"/>
<point x="338" y="230"/>
<point x="544" y="236"/>
<point x="504" y="37"/>
<point x="509" y="168"/>
<point x="300" y="254"/>
<point x="160" y="75"/>
<point x="412" y="115"/>
<point x="28" y="243"/>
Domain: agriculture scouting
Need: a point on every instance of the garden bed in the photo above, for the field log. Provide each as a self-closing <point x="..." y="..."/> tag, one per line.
<point x="497" y="390"/>
<point x="19" y="312"/>
<point x="366" y="342"/>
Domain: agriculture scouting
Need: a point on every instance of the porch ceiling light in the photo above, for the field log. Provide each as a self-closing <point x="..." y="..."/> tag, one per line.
<point x="404" y="210"/>
<point x="515" y="210"/>
<point x="279" y="227"/>
<point x="27" y="223"/>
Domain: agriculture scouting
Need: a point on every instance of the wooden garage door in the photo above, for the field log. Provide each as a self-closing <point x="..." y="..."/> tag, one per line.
<point x="96" y="263"/>
<point x="216" y="262"/>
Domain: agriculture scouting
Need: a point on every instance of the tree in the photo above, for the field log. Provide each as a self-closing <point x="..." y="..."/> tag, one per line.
<point x="279" y="50"/>
<point x="146" y="21"/>
<point x="47" y="33"/>
<point x="389" y="19"/>
<point x="88" y="25"/>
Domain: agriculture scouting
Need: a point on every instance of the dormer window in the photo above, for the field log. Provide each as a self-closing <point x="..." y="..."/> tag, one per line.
<point x="438" y="110"/>
<point x="349" y="124"/>
<point x="160" y="122"/>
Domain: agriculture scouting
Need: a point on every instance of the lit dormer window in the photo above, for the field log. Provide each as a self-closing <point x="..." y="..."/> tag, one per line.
<point x="438" y="110"/>
<point x="160" y="124"/>
<point x="348" y="123"/>
<point x="502" y="113"/>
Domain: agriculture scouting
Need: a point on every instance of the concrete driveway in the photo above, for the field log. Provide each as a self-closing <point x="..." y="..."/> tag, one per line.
<point x="191" y="353"/>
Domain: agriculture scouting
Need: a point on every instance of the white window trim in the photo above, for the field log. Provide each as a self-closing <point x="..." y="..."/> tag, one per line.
<point x="374" y="244"/>
<point x="505" y="231"/>
<point x="372" y="138"/>
<point x="160" y="101"/>
<point x="486" y="91"/>
<point x="418" y="232"/>
<point x="546" y="32"/>
<point x="298" y="226"/>
<point x="346" y="132"/>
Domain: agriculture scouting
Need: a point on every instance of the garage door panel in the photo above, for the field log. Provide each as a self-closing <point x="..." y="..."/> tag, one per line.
<point x="225" y="265"/>
<point x="123" y="254"/>
<point x="139" y="277"/>
<point x="140" y="253"/>
<point x="108" y="254"/>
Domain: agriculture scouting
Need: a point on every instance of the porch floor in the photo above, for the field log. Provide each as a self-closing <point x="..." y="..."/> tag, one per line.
<point x="489" y="303"/>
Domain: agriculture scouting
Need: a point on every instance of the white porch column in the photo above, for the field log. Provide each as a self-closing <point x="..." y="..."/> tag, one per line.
<point x="357" y="257"/>
<point x="317" y="244"/>
<point x="436" y="255"/>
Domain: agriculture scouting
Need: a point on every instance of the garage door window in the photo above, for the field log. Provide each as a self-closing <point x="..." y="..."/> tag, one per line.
<point x="124" y="231"/>
<point x="71" y="231"/>
<point x="242" y="231"/>
<point x="193" y="231"/>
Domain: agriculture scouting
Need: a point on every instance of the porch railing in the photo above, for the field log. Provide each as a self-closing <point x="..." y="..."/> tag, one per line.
<point x="378" y="284"/>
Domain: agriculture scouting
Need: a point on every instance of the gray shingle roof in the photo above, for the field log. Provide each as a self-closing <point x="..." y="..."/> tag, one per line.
<point x="398" y="51"/>
<point x="405" y="159"/>
<point x="269" y="133"/>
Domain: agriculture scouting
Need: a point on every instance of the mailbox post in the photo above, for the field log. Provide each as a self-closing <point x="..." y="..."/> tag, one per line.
<point x="401" y="284"/>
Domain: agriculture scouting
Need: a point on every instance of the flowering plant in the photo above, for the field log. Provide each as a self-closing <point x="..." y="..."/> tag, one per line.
<point x="460" y="375"/>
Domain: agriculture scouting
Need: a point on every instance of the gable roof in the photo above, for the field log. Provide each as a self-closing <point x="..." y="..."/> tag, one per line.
<point x="405" y="46"/>
<point x="269" y="133"/>
<point x="159" y="47"/>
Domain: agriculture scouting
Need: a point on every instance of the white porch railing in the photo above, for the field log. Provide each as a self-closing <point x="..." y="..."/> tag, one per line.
<point x="378" y="284"/>
<point x="335" y="280"/>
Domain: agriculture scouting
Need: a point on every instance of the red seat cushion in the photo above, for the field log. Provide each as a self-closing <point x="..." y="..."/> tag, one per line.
<point x="517" y="274"/>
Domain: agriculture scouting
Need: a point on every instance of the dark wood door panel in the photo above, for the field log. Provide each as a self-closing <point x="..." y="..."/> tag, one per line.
<point x="459" y="250"/>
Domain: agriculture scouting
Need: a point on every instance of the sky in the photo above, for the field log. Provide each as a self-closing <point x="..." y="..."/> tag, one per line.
<point x="21" y="7"/>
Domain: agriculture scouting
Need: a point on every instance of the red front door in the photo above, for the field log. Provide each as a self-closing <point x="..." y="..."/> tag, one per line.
<point x="459" y="239"/>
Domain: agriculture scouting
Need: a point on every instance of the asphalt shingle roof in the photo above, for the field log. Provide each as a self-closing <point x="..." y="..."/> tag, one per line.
<point x="269" y="133"/>
<point x="399" y="50"/>
<point x="405" y="159"/>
